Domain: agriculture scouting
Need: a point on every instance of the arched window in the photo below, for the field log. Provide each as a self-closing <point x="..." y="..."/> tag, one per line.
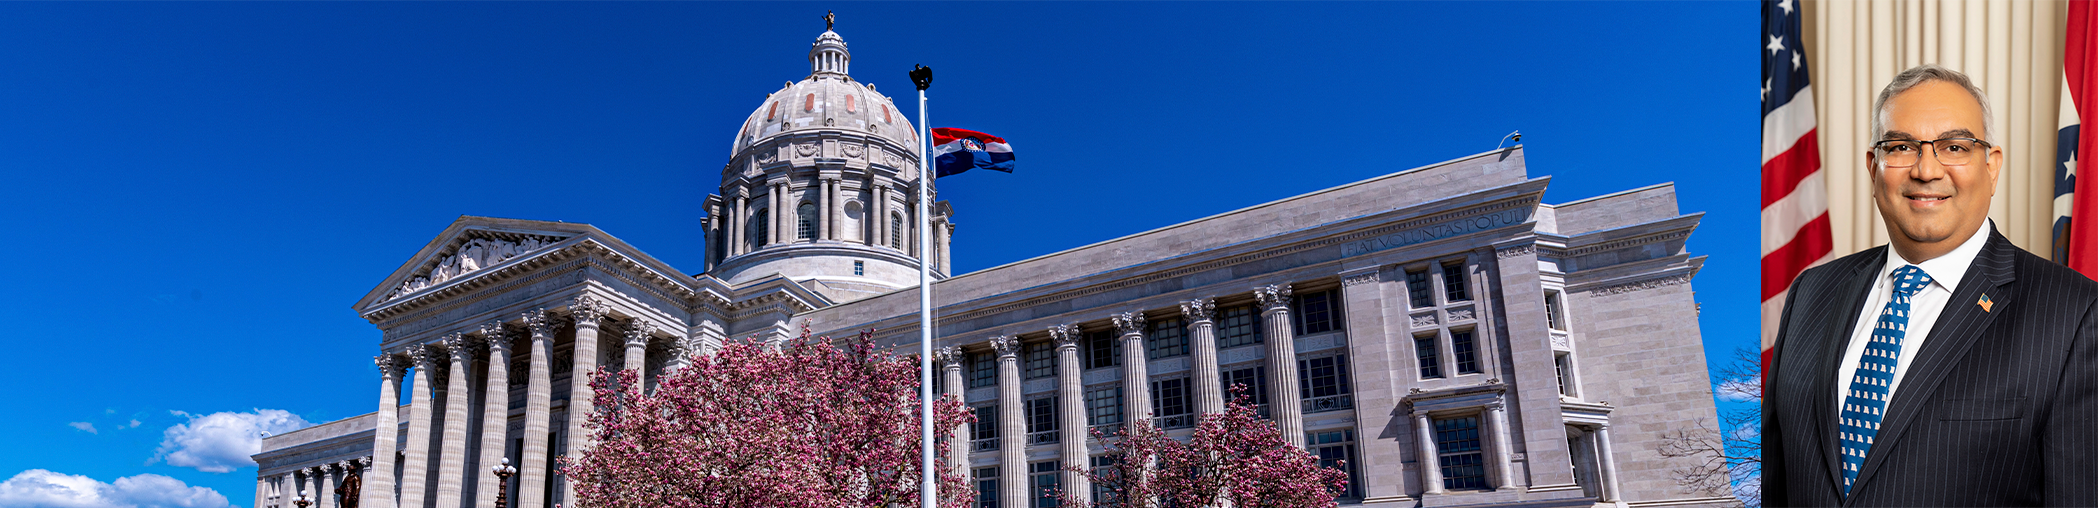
<point x="896" y="230"/>
<point x="805" y="222"/>
<point x="761" y="230"/>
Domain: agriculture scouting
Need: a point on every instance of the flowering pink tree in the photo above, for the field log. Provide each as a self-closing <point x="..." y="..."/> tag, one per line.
<point x="808" y="422"/>
<point x="1233" y="456"/>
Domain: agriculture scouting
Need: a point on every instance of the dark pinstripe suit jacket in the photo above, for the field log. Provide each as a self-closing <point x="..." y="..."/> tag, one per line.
<point x="1998" y="408"/>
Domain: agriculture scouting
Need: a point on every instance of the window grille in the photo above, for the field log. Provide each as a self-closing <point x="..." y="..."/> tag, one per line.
<point x="1103" y="349"/>
<point x="984" y="433"/>
<point x="1256" y="380"/>
<point x="1170" y="407"/>
<point x="1324" y="382"/>
<point x="1336" y="449"/>
<point x="983" y="370"/>
<point x="1041" y="420"/>
<point x="1103" y="406"/>
<point x="1453" y="280"/>
<point x="1238" y="326"/>
<point x="805" y="222"/>
<point x="1041" y="360"/>
<point x="1429" y="357"/>
<point x="1466" y="350"/>
<point x="1554" y="310"/>
<point x="1316" y="312"/>
<point x="1457" y="449"/>
<point x="1044" y="475"/>
<point x="987" y="487"/>
<point x="1417" y="288"/>
<point x="1167" y="338"/>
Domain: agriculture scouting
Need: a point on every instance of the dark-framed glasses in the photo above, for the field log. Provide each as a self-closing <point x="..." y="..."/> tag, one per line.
<point x="1902" y="153"/>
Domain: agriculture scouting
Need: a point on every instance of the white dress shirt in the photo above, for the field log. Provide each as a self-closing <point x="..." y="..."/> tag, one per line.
<point x="1945" y="272"/>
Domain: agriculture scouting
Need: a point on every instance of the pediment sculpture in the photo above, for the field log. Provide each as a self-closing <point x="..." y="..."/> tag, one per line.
<point x="476" y="254"/>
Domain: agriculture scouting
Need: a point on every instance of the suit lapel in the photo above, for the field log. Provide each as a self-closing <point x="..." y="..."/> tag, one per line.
<point x="1958" y="328"/>
<point x="1833" y="337"/>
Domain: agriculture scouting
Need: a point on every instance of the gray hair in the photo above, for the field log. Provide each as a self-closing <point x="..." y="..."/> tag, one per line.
<point x="1924" y="74"/>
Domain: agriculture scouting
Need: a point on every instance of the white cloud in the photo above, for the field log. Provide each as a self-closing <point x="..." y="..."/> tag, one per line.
<point x="37" y="488"/>
<point x="84" y="427"/>
<point x="222" y="442"/>
<point x="1740" y="390"/>
<point x="135" y="423"/>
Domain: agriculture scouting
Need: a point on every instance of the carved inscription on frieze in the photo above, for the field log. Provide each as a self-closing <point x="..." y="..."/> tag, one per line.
<point x="1439" y="231"/>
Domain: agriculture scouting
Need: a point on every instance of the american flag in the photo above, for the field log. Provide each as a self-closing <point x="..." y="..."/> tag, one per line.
<point x="1795" y="196"/>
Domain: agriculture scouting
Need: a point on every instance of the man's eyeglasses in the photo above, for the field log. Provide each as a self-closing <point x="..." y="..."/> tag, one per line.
<point x="1902" y="153"/>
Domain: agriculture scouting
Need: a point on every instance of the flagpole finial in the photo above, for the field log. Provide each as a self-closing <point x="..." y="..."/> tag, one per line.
<point x="922" y="76"/>
<point x="830" y="20"/>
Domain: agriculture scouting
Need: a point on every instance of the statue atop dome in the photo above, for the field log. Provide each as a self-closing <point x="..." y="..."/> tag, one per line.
<point x="830" y="20"/>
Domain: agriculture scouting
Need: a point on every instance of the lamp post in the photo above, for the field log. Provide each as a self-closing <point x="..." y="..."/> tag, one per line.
<point x="302" y="501"/>
<point x="502" y="486"/>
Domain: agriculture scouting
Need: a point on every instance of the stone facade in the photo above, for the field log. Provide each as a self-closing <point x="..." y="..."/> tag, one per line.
<point x="1455" y="340"/>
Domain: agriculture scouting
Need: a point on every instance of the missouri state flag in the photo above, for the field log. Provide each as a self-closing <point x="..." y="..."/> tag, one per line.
<point x="957" y="150"/>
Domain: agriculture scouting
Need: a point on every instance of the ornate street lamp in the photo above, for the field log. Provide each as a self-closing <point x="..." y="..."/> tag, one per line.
<point x="502" y="490"/>
<point x="302" y="501"/>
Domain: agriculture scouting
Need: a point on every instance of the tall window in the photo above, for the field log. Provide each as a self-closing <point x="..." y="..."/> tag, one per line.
<point x="1430" y="359"/>
<point x="1325" y="383"/>
<point x="1256" y="380"/>
<point x="1316" y="312"/>
<point x="987" y="487"/>
<point x="1044" y="476"/>
<point x="1417" y="288"/>
<point x="805" y="221"/>
<point x="896" y="230"/>
<point x="984" y="433"/>
<point x="859" y="268"/>
<point x="1041" y="420"/>
<point x="1102" y="350"/>
<point x="1238" y="326"/>
<point x="1466" y="351"/>
<point x="1453" y="279"/>
<point x="1103" y="406"/>
<point x="1457" y="449"/>
<point x="983" y="370"/>
<point x="1041" y="360"/>
<point x="1564" y="361"/>
<point x="1170" y="406"/>
<point x="761" y="230"/>
<point x="1167" y="338"/>
<point x="1103" y="492"/>
<point x="1554" y="310"/>
<point x="1336" y="450"/>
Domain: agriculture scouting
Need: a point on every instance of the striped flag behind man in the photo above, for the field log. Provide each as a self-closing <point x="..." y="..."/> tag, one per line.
<point x="2075" y="240"/>
<point x="1795" y="196"/>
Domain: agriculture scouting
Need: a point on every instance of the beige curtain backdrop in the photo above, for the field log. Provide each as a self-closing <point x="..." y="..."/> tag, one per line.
<point x="2012" y="50"/>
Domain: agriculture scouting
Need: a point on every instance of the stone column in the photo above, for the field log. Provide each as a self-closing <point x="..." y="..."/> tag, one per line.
<point x="539" y="394"/>
<point x="877" y="213"/>
<point x="1497" y="424"/>
<point x="782" y="213"/>
<point x="827" y="200"/>
<point x="1284" y="396"/>
<point x="451" y="472"/>
<point x="415" y="463"/>
<point x="587" y="311"/>
<point x="951" y="359"/>
<point x="324" y="491"/>
<point x="1202" y="336"/>
<point x="637" y="334"/>
<point x="290" y="489"/>
<point x="1136" y="370"/>
<point x="1430" y="461"/>
<point x="1012" y="425"/>
<point x="738" y="221"/>
<point x="1608" y="461"/>
<point x="837" y="209"/>
<point x="386" y="437"/>
<point x="495" y="413"/>
<point x="1070" y="402"/>
<point x="262" y="486"/>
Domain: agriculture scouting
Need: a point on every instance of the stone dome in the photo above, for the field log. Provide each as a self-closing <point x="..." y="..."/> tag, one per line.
<point x="828" y="99"/>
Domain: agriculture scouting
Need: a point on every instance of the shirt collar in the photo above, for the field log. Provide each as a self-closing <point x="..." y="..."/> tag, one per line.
<point x="1945" y="270"/>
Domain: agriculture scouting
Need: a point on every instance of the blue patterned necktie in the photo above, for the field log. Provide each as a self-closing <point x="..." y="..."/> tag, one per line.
<point x="1866" y="401"/>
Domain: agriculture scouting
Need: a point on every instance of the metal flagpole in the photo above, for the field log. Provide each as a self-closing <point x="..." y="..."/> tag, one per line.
<point x="928" y="492"/>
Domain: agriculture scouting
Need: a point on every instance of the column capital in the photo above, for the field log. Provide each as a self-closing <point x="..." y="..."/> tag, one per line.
<point x="638" y="331"/>
<point x="459" y="347"/>
<point x="587" y="310"/>
<point x="1065" y="335"/>
<point x="390" y="365"/>
<point x="1129" y="322"/>
<point x="495" y="337"/>
<point x="1199" y="309"/>
<point x="949" y="357"/>
<point x="540" y="323"/>
<point x="422" y="356"/>
<point x="1006" y="345"/>
<point x="1272" y="298"/>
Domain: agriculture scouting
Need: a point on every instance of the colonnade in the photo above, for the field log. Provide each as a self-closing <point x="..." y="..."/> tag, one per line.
<point x="453" y="356"/>
<point x="318" y="483"/>
<point x="1073" y="450"/>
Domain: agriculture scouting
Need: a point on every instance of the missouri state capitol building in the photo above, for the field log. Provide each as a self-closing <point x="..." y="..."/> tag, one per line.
<point x="1449" y="336"/>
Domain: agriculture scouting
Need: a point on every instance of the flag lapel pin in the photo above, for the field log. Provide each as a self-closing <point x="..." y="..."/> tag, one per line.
<point x="1985" y="303"/>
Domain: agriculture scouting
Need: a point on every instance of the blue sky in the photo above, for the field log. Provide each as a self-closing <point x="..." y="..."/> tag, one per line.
<point x="199" y="191"/>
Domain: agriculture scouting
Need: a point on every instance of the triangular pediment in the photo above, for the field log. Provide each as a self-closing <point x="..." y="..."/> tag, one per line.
<point x="470" y="246"/>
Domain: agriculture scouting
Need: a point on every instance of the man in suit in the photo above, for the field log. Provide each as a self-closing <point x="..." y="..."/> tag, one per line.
<point x="1948" y="368"/>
